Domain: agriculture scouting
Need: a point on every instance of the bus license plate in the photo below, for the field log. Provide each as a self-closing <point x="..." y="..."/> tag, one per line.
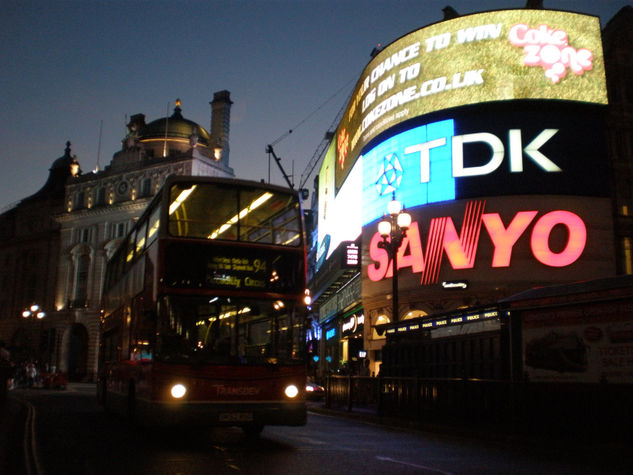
<point x="236" y="417"/>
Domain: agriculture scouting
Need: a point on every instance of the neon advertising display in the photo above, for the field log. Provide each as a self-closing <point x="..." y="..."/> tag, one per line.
<point x="501" y="162"/>
<point x="461" y="248"/>
<point x="487" y="57"/>
<point x="339" y="213"/>
<point x="487" y="150"/>
<point x="498" y="241"/>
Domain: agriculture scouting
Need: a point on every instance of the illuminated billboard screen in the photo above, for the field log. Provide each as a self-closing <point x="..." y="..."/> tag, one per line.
<point x="486" y="57"/>
<point x="339" y="213"/>
<point x="505" y="243"/>
<point x="488" y="150"/>
<point x="503" y="148"/>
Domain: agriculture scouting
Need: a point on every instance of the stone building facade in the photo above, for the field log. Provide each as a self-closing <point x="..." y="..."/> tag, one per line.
<point x="88" y="216"/>
<point x="617" y="37"/>
<point x="29" y="253"/>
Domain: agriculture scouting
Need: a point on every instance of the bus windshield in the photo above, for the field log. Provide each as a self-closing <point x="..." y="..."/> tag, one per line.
<point x="226" y="330"/>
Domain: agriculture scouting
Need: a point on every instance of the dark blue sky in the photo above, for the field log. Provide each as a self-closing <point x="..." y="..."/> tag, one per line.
<point x="70" y="66"/>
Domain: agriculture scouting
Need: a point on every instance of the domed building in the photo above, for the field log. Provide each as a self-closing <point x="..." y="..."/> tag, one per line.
<point x="100" y="207"/>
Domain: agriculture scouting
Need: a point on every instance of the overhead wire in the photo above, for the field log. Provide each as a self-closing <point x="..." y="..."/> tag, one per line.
<point x="304" y="120"/>
<point x="318" y="153"/>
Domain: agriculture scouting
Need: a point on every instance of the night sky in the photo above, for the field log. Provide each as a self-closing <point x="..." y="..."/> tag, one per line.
<point x="73" y="68"/>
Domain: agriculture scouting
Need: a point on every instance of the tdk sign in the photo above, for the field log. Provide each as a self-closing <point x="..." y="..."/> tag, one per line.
<point x="430" y="163"/>
<point x="515" y="149"/>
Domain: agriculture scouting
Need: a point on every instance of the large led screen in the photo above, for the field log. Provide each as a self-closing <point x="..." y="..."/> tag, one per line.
<point x="339" y="213"/>
<point x="488" y="150"/>
<point x="496" y="149"/>
<point x="493" y="56"/>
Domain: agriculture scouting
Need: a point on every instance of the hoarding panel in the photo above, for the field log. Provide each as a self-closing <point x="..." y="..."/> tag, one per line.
<point x="587" y="343"/>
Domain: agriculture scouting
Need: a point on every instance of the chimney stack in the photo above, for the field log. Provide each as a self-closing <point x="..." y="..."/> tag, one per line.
<point x="220" y="125"/>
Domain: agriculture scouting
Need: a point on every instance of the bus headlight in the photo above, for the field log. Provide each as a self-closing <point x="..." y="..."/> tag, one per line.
<point x="291" y="391"/>
<point x="178" y="391"/>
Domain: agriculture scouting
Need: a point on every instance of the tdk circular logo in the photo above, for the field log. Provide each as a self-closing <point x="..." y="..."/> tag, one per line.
<point x="389" y="175"/>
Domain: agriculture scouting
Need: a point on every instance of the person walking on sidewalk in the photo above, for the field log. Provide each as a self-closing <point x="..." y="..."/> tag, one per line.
<point x="31" y="374"/>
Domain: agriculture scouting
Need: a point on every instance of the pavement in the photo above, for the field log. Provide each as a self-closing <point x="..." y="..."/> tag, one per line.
<point x="12" y="420"/>
<point x="502" y="435"/>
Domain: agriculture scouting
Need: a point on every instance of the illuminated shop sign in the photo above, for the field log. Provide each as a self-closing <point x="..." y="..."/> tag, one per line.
<point x="331" y="333"/>
<point x="486" y="57"/>
<point x="353" y="324"/>
<point x="444" y="321"/>
<point x="455" y="284"/>
<point x="352" y="255"/>
<point x="460" y="248"/>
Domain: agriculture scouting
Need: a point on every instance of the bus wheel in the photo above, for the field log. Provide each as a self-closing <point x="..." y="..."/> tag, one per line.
<point x="131" y="404"/>
<point x="253" y="431"/>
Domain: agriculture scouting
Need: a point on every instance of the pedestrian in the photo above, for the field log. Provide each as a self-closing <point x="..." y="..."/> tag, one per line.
<point x="364" y="370"/>
<point x="31" y="374"/>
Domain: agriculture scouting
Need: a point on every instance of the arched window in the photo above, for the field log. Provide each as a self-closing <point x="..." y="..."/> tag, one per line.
<point x="380" y="320"/>
<point x="414" y="314"/>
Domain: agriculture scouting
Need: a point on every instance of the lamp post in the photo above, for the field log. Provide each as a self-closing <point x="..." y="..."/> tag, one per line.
<point x="393" y="228"/>
<point x="35" y="312"/>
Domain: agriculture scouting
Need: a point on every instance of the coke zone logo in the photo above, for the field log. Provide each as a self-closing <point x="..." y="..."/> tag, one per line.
<point x="461" y="249"/>
<point x="550" y="49"/>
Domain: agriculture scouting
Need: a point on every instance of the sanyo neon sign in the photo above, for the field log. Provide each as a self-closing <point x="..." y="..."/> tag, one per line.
<point x="461" y="249"/>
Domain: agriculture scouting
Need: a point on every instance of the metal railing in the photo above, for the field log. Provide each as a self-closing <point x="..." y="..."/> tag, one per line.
<point x="511" y="405"/>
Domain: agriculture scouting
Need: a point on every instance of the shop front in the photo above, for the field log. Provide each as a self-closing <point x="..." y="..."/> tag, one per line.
<point x="352" y="343"/>
<point x="342" y="322"/>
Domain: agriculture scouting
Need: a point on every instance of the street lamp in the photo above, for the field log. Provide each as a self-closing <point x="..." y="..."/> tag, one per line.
<point x="35" y="312"/>
<point x="393" y="228"/>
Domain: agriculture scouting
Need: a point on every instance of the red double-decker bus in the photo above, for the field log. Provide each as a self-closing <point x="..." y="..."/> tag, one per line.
<point x="203" y="308"/>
